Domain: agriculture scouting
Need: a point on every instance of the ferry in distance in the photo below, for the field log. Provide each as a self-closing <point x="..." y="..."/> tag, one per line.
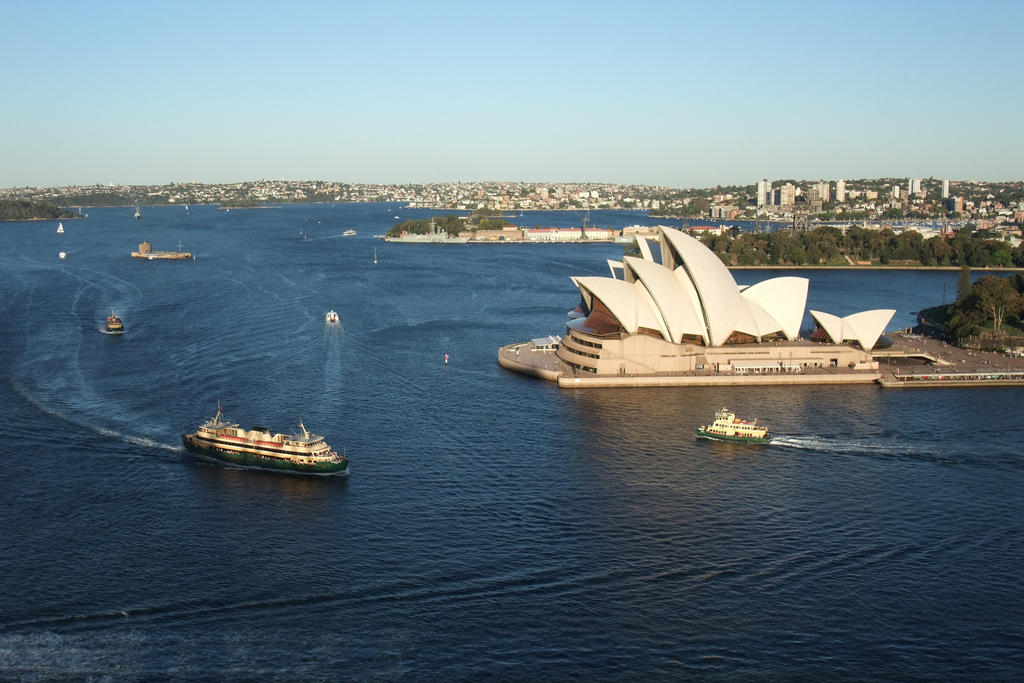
<point x="113" y="324"/>
<point x="728" y="427"/>
<point x="300" y="452"/>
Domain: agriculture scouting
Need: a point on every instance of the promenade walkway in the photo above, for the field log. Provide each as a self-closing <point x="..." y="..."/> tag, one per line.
<point x="912" y="361"/>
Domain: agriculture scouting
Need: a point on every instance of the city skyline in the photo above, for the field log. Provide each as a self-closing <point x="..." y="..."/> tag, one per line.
<point x="659" y="94"/>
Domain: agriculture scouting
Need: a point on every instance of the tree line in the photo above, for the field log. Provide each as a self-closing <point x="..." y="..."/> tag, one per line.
<point x="25" y="210"/>
<point x="830" y="246"/>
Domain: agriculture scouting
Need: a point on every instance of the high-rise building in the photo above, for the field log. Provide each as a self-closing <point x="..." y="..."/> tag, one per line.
<point x="787" y="195"/>
<point x="821" y="191"/>
<point x="914" y="186"/>
<point x="764" y="192"/>
<point x="840" y="190"/>
<point x="945" y="189"/>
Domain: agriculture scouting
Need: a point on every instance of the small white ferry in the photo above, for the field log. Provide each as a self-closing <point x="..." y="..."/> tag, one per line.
<point x="728" y="427"/>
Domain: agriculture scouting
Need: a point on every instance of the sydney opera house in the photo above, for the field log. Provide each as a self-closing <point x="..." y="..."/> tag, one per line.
<point x="682" y="319"/>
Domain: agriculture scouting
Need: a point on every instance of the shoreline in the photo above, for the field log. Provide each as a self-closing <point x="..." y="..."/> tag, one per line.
<point x="27" y="220"/>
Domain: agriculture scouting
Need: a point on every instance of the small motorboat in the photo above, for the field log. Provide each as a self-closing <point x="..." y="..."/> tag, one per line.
<point x="332" y="317"/>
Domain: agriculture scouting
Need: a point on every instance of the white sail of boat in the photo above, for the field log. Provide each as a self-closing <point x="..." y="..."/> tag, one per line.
<point x="60" y="227"/>
<point x="375" y="256"/>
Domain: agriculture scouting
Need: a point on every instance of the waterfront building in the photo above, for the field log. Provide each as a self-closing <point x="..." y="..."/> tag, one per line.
<point x="509" y="233"/>
<point x="686" y="314"/>
<point x="567" y="234"/>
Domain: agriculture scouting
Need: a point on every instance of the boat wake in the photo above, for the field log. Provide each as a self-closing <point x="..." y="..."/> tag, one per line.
<point x="133" y="439"/>
<point x="138" y="440"/>
<point x="873" y="447"/>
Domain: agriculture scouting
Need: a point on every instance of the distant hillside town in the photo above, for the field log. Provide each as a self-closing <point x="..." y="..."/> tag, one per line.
<point x="987" y="204"/>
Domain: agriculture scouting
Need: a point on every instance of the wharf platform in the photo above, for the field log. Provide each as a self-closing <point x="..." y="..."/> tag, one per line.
<point x="919" y="361"/>
<point x="912" y="361"/>
<point x="525" y="358"/>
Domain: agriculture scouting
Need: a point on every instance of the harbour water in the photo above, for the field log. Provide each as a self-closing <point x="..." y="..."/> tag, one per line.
<point x="493" y="526"/>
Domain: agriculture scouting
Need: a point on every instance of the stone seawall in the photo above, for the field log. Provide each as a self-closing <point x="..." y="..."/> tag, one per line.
<point x="594" y="382"/>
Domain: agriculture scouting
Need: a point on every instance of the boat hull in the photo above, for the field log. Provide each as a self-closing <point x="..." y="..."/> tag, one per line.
<point x="733" y="437"/>
<point x="257" y="460"/>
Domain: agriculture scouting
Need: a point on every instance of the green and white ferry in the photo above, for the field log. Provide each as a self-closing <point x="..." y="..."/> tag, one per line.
<point x="300" y="452"/>
<point x="728" y="427"/>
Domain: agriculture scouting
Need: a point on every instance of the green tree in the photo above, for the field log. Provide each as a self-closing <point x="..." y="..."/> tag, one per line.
<point x="998" y="298"/>
<point x="814" y="255"/>
<point x="1001" y="257"/>
<point x="963" y="282"/>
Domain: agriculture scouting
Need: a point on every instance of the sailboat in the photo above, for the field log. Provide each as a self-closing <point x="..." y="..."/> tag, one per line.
<point x="375" y="256"/>
<point x="137" y="213"/>
<point x="60" y="228"/>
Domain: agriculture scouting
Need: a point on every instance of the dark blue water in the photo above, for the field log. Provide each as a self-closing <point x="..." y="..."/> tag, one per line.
<point x="494" y="526"/>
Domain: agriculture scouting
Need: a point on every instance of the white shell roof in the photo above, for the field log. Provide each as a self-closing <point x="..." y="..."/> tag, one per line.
<point x="755" y="321"/>
<point x="832" y="324"/>
<point x="670" y="299"/>
<point x="719" y="295"/>
<point x="784" y="298"/>
<point x="624" y="299"/>
<point x="644" y="247"/>
<point x="865" y="327"/>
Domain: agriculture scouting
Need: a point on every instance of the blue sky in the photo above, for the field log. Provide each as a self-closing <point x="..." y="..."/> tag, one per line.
<point x="658" y="93"/>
